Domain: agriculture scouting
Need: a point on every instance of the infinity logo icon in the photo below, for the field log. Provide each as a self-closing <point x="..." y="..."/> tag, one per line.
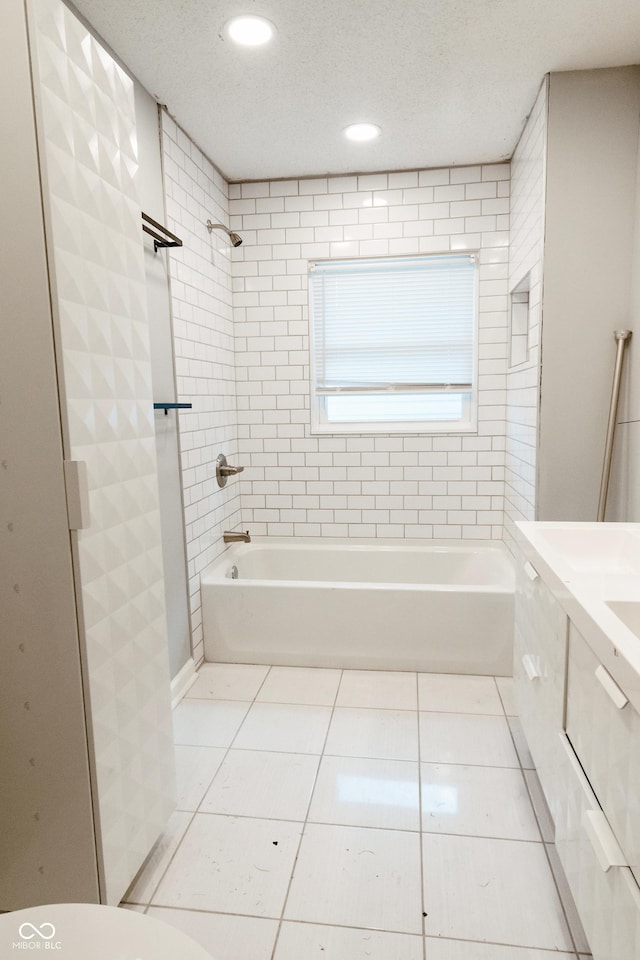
<point x="28" y="931"/>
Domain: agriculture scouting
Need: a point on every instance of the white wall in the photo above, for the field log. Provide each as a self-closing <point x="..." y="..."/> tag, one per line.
<point x="589" y="232"/>
<point x="386" y="486"/>
<point x="528" y="168"/>
<point x="204" y="343"/>
<point x="43" y="737"/>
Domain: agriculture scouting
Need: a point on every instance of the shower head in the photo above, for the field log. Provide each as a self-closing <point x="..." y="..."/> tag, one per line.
<point x="236" y="240"/>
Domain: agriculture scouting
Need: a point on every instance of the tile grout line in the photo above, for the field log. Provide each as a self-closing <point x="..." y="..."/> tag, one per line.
<point x="350" y="756"/>
<point x="304" y="824"/>
<point x="420" y="834"/>
<point x="349" y="706"/>
<point x="345" y="926"/>
<point x="228" y="749"/>
<point x="359" y="826"/>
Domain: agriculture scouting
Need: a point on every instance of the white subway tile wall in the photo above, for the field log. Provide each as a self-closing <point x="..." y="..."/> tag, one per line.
<point x="295" y="484"/>
<point x="526" y="257"/>
<point x="201" y="292"/>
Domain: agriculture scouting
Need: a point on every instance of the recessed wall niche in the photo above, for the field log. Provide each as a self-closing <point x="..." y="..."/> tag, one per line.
<point x="519" y="323"/>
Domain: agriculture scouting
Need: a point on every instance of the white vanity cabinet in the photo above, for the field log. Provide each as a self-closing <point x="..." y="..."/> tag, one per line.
<point x="583" y="730"/>
<point x="603" y="728"/>
<point x="598" y="813"/>
<point x="607" y="897"/>
<point x="539" y="671"/>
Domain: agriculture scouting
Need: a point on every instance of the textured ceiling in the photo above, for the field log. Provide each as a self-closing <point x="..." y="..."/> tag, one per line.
<point x="449" y="81"/>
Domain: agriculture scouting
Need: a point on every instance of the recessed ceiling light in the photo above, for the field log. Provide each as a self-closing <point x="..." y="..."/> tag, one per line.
<point x="250" y="31"/>
<point x="362" y="131"/>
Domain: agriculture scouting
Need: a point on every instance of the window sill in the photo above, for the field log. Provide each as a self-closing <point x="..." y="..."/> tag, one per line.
<point x="424" y="428"/>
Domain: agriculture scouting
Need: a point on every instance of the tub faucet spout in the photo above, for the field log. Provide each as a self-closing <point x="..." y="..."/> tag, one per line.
<point x="229" y="536"/>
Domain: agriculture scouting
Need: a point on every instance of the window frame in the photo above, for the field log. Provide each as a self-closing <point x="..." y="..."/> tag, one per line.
<point x="468" y="423"/>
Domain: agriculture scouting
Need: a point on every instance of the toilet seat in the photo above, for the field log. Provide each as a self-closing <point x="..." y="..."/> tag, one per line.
<point x="75" y="931"/>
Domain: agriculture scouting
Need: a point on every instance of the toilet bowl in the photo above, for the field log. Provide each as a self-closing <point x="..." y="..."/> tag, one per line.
<point x="75" y="931"/>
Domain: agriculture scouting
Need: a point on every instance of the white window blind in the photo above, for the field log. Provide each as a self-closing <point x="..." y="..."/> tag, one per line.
<point x="384" y="329"/>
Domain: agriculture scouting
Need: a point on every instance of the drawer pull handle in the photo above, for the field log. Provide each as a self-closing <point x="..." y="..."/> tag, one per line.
<point x="611" y="687"/>
<point x="530" y="571"/>
<point x="530" y="664"/>
<point x="605" y="846"/>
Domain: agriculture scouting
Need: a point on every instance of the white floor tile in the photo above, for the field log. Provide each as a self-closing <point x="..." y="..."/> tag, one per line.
<point x="445" y="693"/>
<point x="460" y="738"/>
<point x="195" y="769"/>
<point x="384" y="734"/>
<point x="222" y="874"/>
<point x="231" y="865"/>
<point x="308" y="685"/>
<point x="507" y="693"/>
<point x="495" y="890"/>
<point x="438" y="949"/>
<point x="312" y="941"/>
<point x="357" y="877"/>
<point x="259" y="783"/>
<point x="228" y="681"/>
<point x="367" y="793"/>
<point x="477" y="801"/>
<point x="289" y="728"/>
<point x="224" y="936"/>
<point x="377" y="688"/>
<point x="142" y="888"/>
<point x="207" y="723"/>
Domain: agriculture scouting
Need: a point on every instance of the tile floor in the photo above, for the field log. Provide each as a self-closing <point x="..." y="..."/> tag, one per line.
<point x="348" y="815"/>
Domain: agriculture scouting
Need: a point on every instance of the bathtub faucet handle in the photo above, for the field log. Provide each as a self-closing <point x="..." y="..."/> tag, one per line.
<point x="224" y="471"/>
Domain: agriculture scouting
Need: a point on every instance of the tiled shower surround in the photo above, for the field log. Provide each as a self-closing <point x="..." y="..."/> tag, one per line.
<point x="410" y="486"/>
<point x="204" y="353"/>
<point x="526" y="254"/>
<point x="241" y="338"/>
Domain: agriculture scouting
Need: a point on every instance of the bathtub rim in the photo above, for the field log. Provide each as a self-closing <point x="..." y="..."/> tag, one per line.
<point x="213" y="573"/>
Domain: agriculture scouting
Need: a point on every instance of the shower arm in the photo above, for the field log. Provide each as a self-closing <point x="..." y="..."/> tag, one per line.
<point x="236" y="240"/>
<point x="217" y="226"/>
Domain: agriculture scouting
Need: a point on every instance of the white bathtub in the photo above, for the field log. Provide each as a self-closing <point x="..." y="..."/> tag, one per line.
<point x="440" y="606"/>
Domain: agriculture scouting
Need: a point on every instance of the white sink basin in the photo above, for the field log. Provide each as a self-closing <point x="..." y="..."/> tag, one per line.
<point x="628" y="611"/>
<point x="602" y="549"/>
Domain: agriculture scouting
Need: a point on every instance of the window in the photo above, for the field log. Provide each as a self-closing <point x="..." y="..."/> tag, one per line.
<point x="393" y="344"/>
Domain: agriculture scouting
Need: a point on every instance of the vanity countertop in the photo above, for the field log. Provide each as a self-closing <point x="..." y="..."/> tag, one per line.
<point x="593" y="570"/>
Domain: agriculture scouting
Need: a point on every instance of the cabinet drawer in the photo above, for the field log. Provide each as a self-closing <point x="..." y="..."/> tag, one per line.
<point x="607" y="897"/>
<point x="539" y="611"/>
<point x="539" y="672"/>
<point x="605" y="734"/>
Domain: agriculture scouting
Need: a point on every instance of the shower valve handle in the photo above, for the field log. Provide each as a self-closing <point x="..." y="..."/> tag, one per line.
<point x="224" y="471"/>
